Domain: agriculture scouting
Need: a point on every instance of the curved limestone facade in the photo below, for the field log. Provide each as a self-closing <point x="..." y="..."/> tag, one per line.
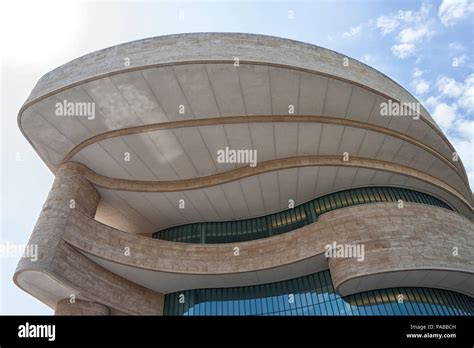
<point x="214" y="168"/>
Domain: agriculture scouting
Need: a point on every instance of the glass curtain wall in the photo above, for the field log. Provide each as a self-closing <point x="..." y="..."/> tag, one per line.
<point x="291" y="219"/>
<point x="314" y="295"/>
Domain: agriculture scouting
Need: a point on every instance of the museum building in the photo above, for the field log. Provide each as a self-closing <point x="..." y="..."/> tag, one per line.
<point x="241" y="174"/>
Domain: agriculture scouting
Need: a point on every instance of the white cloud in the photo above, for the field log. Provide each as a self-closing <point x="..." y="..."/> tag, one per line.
<point x="403" y="50"/>
<point x="416" y="27"/>
<point x="462" y="92"/>
<point x="451" y="11"/>
<point x="417" y="72"/>
<point x="456" y="46"/>
<point x="423" y="13"/>
<point x="409" y="37"/>
<point x="448" y="87"/>
<point x="368" y="59"/>
<point x="415" y="34"/>
<point x="453" y="117"/>
<point x="353" y="32"/>
<point x="459" y="130"/>
<point x="444" y="115"/>
<point x="466" y="100"/>
<point x="432" y="101"/>
<point x="466" y="129"/>
<point x="387" y="24"/>
<point x="421" y="86"/>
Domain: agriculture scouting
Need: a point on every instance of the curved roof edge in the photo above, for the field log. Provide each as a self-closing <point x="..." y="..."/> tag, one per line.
<point x="187" y="47"/>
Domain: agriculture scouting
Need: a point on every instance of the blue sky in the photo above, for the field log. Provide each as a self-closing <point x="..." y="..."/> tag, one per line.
<point x="426" y="46"/>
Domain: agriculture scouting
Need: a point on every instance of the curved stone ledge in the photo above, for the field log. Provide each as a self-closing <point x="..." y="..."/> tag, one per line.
<point x="415" y="238"/>
<point x="414" y="245"/>
<point x="80" y="307"/>
<point x="229" y="120"/>
<point x="60" y="271"/>
<point x="264" y="167"/>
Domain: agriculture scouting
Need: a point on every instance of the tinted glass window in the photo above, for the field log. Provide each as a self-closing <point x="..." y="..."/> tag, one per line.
<point x="314" y="295"/>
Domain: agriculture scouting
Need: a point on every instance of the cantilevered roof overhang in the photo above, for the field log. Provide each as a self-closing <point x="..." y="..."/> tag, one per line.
<point x="172" y="102"/>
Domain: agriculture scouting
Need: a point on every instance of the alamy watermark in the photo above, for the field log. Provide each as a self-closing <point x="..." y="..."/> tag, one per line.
<point x="335" y="250"/>
<point x="228" y="155"/>
<point x="76" y="109"/>
<point x="391" y="108"/>
<point x="28" y="330"/>
<point x="19" y="250"/>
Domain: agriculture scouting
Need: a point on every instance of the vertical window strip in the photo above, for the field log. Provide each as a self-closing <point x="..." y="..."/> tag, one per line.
<point x="357" y="196"/>
<point x="459" y="303"/>
<point x="324" y="205"/>
<point x="427" y="301"/>
<point x="231" y="231"/>
<point x="221" y="232"/>
<point x="382" y="195"/>
<point x="332" y="201"/>
<point x="393" y="301"/>
<point x="402" y="194"/>
<point x="427" y="198"/>
<point x="440" y="302"/>
<point x="465" y="304"/>
<point x="447" y="303"/>
<point x="411" y="198"/>
<point x="348" y="196"/>
<point x="421" y="197"/>
<point x="371" y="195"/>
<point x="376" y="195"/>
<point x="420" y="302"/>
<point x="389" y="194"/>
<point x="386" y="301"/>
<point x="456" y="305"/>
<point x="432" y="200"/>
<point x="318" y="207"/>
<point x="437" y="307"/>
<point x="344" y="202"/>
<point x="418" y="198"/>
